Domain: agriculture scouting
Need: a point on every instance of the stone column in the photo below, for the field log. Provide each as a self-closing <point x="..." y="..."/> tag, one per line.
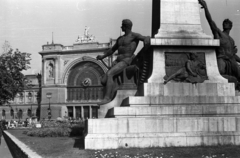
<point x="82" y="112"/>
<point x="74" y="112"/>
<point x="43" y="71"/>
<point x="24" y="97"/>
<point x="56" y="70"/>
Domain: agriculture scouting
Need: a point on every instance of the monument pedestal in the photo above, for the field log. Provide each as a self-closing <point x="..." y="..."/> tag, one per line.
<point x="174" y="114"/>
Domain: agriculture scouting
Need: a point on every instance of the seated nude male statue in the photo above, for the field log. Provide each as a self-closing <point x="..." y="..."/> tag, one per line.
<point x="227" y="51"/>
<point x="126" y="46"/>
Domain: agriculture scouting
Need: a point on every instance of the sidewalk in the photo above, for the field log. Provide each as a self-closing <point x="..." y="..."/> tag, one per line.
<point x="4" y="151"/>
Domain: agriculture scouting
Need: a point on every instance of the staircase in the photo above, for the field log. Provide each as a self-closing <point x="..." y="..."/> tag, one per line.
<point x="175" y="114"/>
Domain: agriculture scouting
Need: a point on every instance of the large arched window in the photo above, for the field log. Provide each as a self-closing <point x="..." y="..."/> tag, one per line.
<point x="84" y="82"/>
<point x="29" y="112"/>
<point x="20" y="113"/>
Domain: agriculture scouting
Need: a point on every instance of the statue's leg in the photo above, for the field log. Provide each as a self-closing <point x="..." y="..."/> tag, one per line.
<point x="118" y="68"/>
<point x="104" y="80"/>
<point x="221" y="66"/>
<point x="180" y="71"/>
<point x="238" y="77"/>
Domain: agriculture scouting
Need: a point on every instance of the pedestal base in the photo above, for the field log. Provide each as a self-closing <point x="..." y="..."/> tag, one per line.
<point x="162" y="132"/>
<point x="168" y="116"/>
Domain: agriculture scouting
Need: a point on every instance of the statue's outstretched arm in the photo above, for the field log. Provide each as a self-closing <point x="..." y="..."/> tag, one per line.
<point x="215" y="30"/>
<point x="109" y="51"/>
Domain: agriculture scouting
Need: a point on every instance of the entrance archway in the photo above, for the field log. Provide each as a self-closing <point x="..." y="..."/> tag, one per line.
<point x="83" y="84"/>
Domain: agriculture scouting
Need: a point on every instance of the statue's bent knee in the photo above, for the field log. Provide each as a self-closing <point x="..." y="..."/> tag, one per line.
<point x="221" y="66"/>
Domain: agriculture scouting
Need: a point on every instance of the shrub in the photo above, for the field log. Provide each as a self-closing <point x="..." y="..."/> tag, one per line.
<point x="56" y="129"/>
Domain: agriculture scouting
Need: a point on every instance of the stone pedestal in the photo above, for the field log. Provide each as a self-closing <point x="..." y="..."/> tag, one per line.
<point x="207" y="46"/>
<point x="180" y="19"/>
<point x="174" y="114"/>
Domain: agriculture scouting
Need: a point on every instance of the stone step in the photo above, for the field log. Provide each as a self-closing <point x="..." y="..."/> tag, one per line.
<point x="179" y="100"/>
<point x="161" y="132"/>
<point x="176" y="110"/>
<point x="186" y="89"/>
<point x="149" y="140"/>
<point x="163" y="125"/>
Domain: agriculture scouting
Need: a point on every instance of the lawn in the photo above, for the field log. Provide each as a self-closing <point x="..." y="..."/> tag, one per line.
<point x="72" y="147"/>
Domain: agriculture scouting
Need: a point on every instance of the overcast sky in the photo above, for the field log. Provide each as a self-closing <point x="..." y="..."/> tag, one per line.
<point x="28" y="24"/>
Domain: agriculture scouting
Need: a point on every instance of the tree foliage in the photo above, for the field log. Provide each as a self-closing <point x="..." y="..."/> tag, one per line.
<point x="6" y="47"/>
<point x="11" y="78"/>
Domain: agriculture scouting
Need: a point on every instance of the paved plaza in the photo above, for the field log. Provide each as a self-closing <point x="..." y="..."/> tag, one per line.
<point x="4" y="151"/>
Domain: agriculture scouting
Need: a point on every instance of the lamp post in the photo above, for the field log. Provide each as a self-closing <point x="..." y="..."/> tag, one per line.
<point x="49" y="96"/>
<point x="30" y="101"/>
<point x="39" y="95"/>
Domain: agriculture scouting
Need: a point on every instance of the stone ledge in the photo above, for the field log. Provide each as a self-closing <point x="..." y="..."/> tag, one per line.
<point x="174" y="134"/>
<point x="180" y="100"/>
<point x="24" y="148"/>
<point x="176" y="110"/>
<point x="117" y="101"/>
<point x="185" y="42"/>
<point x="187" y="89"/>
<point x="144" y="140"/>
<point x="163" y="125"/>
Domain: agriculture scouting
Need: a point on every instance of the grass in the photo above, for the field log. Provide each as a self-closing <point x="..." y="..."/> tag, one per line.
<point x="73" y="147"/>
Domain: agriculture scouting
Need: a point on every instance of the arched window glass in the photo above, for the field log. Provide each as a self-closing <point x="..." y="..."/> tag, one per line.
<point x="29" y="112"/>
<point x="20" y="95"/>
<point x="3" y="113"/>
<point x="12" y="113"/>
<point x="30" y="97"/>
<point x="20" y="113"/>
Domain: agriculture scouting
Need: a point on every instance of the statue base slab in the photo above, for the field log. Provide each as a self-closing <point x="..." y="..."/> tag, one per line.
<point x="162" y="132"/>
<point x="175" y="114"/>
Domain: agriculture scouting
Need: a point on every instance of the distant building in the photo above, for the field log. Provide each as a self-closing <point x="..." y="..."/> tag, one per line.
<point x="24" y="104"/>
<point x="71" y="85"/>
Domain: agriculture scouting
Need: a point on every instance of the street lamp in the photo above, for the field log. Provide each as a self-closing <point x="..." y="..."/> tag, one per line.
<point x="30" y="101"/>
<point x="49" y="96"/>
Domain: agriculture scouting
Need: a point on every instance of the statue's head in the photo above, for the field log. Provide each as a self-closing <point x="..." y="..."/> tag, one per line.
<point x="227" y="24"/>
<point x="193" y="55"/>
<point x="126" y="23"/>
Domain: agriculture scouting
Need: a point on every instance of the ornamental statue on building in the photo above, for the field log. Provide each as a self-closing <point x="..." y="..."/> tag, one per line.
<point x="86" y="37"/>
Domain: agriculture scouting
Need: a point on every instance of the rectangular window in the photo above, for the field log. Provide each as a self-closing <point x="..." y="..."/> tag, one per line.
<point x="86" y="111"/>
<point x="78" y="112"/>
<point x="70" y="111"/>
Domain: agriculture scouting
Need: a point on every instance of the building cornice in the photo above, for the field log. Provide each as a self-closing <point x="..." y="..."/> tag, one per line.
<point x="77" y="51"/>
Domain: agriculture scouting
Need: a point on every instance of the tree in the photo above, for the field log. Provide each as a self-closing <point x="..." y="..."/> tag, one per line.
<point x="11" y="78"/>
<point x="6" y="47"/>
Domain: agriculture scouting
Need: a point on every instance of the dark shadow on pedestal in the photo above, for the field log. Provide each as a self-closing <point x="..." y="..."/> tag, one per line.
<point x="79" y="142"/>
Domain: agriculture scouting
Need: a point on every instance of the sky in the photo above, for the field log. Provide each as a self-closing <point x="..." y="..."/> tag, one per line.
<point x="29" y="24"/>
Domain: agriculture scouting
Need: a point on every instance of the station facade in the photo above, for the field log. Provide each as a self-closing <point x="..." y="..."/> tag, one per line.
<point x="71" y="78"/>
